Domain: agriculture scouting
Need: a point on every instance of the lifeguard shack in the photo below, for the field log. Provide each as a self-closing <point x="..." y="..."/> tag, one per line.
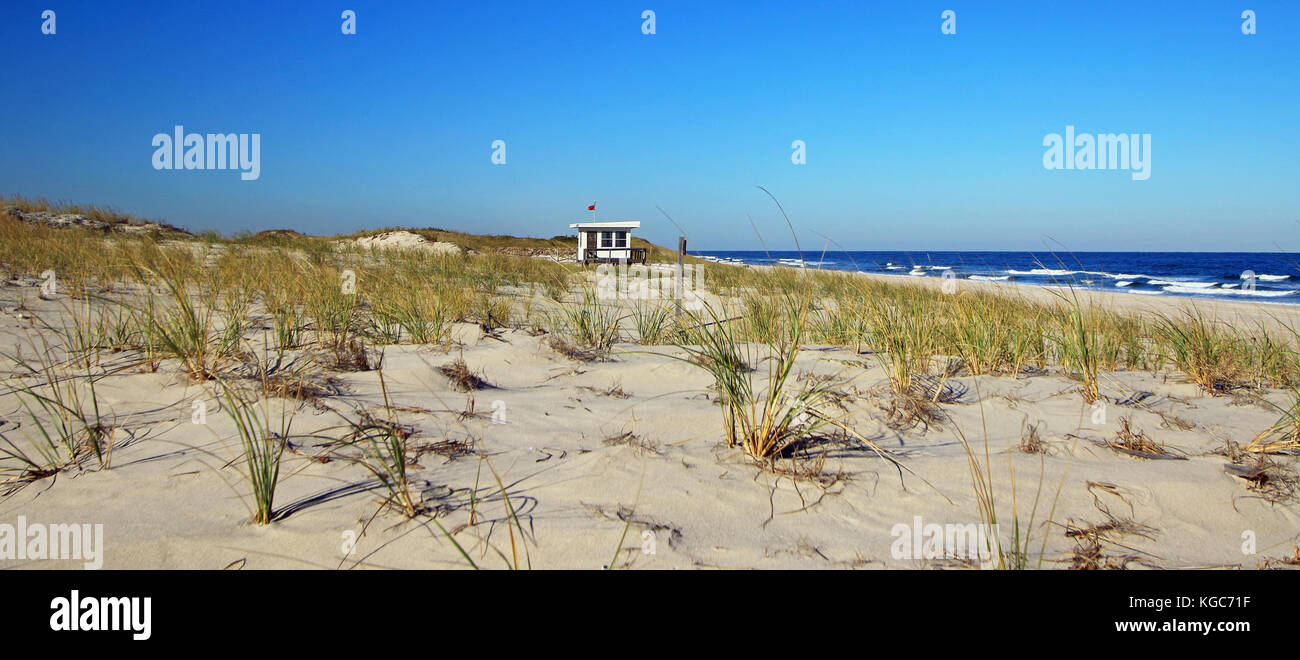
<point x="608" y="242"/>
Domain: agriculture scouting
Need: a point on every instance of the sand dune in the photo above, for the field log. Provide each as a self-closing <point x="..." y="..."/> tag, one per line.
<point x="621" y="459"/>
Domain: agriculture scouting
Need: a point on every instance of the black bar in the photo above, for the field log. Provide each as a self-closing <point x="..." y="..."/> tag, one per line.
<point x="313" y="607"/>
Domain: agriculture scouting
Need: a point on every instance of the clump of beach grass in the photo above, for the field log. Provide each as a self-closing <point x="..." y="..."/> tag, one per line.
<point x="355" y="355"/>
<point x="288" y="319"/>
<point x="1078" y="341"/>
<point x="421" y="314"/>
<point x="1093" y="542"/>
<point x="1201" y="349"/>
<point x="1283" y="437"/>
<point x="766" y="316"/>
<point x="1134" y="441"/>
<point x="384" y="452"/>
<point x="759" y="414"/>
<point x="765" y="411"/>
<point x="185" y="323"/>
<point x="262" y="445"/>
<point x="903" y="339"/>
<point x="837" y="324"/>
<point x="980" y="338"/>
<point x="332" y="308"/>
<point x="591" y="323"/>
<point x="492" y="311"/>
<point x="64" y="409"/>
<point x="461" y="377"/>
<point x="654" y="323"/>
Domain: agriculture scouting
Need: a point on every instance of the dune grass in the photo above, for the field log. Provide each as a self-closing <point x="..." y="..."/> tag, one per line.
<point x="105" y="214"/>
<point x="1017" y="551"/>
<point x="69" y="425"/>
<point x="419" y="318"/>
<point x="383" y="451"/>
<point x="590" y="322"/>
<point x="262" y="446"/>
<point x="1078" y="340"/>
<point x="762" y="414"/>
<point x="296" y="281"/>
<point x="1202" y="349"/>
<point x="904" y="338"/>
<point x="654" y="323"/>
<point x="1284" y="435"/>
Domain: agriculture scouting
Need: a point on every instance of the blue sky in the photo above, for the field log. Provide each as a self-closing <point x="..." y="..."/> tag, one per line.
<point x="915" y="139"/>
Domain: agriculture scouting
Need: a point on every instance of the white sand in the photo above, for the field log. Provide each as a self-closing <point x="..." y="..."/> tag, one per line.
<point x="173" y="498"/>
<point x="402" y="240"/>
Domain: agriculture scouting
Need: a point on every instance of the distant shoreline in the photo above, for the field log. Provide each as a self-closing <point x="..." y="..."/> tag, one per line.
<point x="1253" y="277"/>
<point x="1243" y="315"/>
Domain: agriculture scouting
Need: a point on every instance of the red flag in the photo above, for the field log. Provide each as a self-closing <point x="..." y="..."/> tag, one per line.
<point x="592" y="207"/>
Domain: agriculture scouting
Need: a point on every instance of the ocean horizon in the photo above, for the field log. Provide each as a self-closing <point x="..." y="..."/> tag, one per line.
<point x="1270" y="277"/>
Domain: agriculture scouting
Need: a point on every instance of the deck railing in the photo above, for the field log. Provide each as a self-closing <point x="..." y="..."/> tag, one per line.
<point x="634" y="255"/>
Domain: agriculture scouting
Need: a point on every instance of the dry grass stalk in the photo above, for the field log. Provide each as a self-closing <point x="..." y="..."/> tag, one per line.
<point x="1134" y="441"/>
<point x="462" y="379"/>
<point x="1030" y="442"/>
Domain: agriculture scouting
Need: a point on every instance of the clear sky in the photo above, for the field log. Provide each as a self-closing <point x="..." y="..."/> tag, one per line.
<point x="914" y="139"/>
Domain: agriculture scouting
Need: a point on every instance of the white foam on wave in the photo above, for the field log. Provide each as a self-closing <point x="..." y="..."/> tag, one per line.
<point x="1189" y="284"/>
<point x="1271" y="278"/>
<point x="990" y="278"/>
<point x="723" y="260"/>
<point x="1263" y="293"/>
<point x="1043" y="271"/>
<point x="1058" y="272"/>
<point x="798" y="263"/>
<point x="1123" y="283"/>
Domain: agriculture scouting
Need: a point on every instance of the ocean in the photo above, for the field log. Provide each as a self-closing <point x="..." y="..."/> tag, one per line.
<point x="1272" y="277"/>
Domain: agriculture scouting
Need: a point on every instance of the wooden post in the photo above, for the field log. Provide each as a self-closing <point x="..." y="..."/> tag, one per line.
<point x="677" y="281"/>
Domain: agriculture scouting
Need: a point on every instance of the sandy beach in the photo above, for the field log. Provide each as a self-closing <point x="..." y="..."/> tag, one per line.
<point x="555" y="461"/>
